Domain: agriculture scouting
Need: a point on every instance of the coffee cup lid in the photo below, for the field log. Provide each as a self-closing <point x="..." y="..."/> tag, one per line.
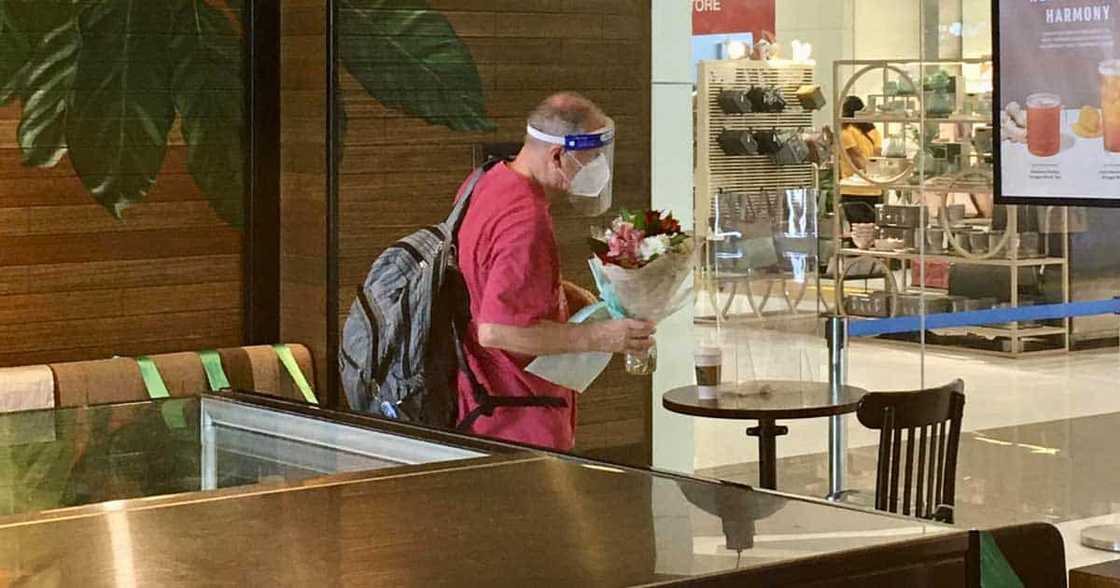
<point x="708" y="351"/>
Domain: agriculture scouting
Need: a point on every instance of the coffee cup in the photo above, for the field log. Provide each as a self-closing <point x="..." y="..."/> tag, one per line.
<point x="709" y="364"/>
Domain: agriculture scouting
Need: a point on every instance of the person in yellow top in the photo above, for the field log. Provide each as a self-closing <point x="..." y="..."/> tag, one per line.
<point x="861" y="141"/>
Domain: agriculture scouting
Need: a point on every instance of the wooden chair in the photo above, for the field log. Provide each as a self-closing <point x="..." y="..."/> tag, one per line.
<point x="927" y="476"/>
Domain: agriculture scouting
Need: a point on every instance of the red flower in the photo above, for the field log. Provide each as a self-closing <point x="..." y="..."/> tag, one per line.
<point x="670" y="226"/>
<point x="653" y="223"/>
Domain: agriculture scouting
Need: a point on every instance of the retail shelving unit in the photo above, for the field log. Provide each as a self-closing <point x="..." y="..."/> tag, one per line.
<point x="909" y="184"/>
<point x="717" y="171"/>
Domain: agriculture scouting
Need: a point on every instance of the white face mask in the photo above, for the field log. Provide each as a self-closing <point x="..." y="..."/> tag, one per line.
<point x="592" y="178"/>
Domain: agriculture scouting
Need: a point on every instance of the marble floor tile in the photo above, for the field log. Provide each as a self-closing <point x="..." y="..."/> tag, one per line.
<point x="1060" y="471"/>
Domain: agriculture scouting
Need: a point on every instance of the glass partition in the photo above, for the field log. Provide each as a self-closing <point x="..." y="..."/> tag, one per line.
<point x="937" y="281"/>
<point x="73" y="457"/>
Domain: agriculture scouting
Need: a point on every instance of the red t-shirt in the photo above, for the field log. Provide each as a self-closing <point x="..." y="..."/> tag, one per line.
<point x="509" y="259"/>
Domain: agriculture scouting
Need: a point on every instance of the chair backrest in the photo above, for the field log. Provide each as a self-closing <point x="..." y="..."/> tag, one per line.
<point x="111" y="381"/>
<point x="924" y="468"/>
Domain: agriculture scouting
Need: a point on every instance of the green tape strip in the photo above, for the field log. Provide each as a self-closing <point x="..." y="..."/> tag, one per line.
<point x="212" y="363"/>
<point x="289" y="362"/>
<point x="995" y="571"/>
<point x="170" y="409"/>
<point x="153" y="382"/>
<point x="174" y="413"/>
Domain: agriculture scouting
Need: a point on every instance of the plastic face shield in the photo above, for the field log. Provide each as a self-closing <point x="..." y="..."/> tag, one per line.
<point x="593" y="155"/>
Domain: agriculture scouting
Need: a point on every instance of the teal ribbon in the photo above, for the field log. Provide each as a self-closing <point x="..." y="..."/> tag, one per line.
<point x="606" y="290"/>
<point x="215" y="375"/>
<point x="284" y="353"/>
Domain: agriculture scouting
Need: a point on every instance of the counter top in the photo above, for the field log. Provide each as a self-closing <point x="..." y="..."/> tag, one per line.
<point x="510" y="518"/>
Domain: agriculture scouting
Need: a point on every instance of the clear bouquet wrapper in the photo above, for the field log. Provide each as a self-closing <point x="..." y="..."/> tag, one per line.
<point x="650" y="293"/>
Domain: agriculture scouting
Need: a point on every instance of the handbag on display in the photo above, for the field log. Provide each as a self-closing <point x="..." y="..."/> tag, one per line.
<point x="792" y="149"/>
<point x="773" y="101"/>
<point x="745" y="231"/>
<point x="766" y="99"/>
<point x="767" y="142"/>
<point x="755" y="96"/>
<point x="735" y="102"/>
<point x="760" y="251"/>
<point x="811" y="97"/>
<point x="738" y="142"/>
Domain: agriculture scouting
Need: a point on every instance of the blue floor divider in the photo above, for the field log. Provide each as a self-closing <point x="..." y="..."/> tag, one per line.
<point x="911" y="324"/>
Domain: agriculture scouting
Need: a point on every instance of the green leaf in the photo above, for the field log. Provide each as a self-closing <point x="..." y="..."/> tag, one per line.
<point x="120" y="110"/>
<point x="51" y="30"/>
<point x="409" y="58"/>
<point x="208" y="89"/>
<point x="14" y="50"/>
<point x="598" y="247"/>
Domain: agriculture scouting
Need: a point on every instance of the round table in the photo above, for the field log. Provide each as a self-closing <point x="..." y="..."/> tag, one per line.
<point x="768" y="401"/>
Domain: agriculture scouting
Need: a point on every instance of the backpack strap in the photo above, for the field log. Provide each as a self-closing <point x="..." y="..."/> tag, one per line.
<point x="486" y="402"/>
<point x="455" y="220"/>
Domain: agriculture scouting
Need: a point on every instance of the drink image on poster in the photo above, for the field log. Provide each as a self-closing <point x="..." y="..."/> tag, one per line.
<point x="1110" y="104"/>
<point x="1058" y="91"/>
<point x="1044" y="124"/>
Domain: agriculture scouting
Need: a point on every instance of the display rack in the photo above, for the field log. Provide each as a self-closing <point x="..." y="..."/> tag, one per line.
<point x="911" y="183"/>
<point x="716" y="171"/>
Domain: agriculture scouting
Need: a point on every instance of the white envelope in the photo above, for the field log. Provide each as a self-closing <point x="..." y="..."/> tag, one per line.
<point x="574" y="371"/>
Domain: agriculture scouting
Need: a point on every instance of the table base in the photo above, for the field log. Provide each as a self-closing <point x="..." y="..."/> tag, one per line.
<point x="767" y="432"/>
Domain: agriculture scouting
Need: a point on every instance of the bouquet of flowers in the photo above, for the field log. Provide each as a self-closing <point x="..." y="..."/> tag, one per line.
<point x="641" y="266"/>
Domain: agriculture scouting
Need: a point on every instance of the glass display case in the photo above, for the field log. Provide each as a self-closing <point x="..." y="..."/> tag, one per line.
<point x="74" y="457"/>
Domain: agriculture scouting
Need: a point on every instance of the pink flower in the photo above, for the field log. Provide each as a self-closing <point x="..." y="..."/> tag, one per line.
<point x="624" y="245"/>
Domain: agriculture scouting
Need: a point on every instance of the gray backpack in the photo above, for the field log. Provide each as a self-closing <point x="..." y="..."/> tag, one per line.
<point x="401" y="347"/>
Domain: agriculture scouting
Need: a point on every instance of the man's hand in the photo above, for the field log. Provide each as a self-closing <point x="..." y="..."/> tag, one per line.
<point x="622" y="336"/>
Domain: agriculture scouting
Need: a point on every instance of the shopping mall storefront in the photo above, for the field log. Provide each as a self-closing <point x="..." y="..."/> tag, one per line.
<point x="961" y="236"/>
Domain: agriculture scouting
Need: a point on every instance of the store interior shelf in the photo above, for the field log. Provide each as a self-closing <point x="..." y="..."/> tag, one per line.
<point x="989" y="331"/>
<point x="1028" y="262"/>
<point x="993" y="331"/>
<point x="915" y="119"/>
<point x="915" y="62"/>
<point x="935" y="184"/>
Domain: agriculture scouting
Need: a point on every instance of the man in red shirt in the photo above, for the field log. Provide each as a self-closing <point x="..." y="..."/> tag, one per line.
<point x="509" y="260"/>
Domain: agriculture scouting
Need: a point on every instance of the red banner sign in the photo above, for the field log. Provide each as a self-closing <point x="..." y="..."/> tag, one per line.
<point x="712" y="17"/>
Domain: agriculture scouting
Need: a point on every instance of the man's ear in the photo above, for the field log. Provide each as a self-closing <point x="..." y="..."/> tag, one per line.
<point x="556" y="156"/>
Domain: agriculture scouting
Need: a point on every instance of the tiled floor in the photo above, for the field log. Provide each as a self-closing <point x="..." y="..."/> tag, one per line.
<point x="1040" y="433"/>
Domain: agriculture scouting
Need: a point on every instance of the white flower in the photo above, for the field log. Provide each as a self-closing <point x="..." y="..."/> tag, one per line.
<point x="653" y="247"/>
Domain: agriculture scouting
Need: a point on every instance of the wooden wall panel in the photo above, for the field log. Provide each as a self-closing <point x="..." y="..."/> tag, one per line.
<point x="78" y="284"/>
<point x="399" y="173"/>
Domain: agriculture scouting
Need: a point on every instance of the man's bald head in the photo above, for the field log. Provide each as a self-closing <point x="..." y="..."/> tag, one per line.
<point x="566" y="113"/>
<point x="551" y="165"/>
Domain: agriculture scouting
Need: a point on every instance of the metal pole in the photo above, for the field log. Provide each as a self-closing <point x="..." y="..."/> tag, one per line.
<point x="837" y="335"/>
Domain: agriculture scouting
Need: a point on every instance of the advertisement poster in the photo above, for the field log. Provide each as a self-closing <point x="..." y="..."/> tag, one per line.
<point x="716" y="17"/>
<point x="1059" y="96"/>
